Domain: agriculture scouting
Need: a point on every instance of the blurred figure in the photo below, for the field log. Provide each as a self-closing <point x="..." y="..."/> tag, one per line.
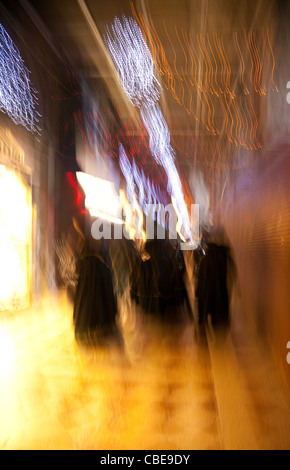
<point x="95" y="306"/>
<point x="199" y="252"/>
<point x="68" y="248"/>
<point x="214" y="283"/>
<point x="156" y="278"/>
<point x="181" y="298"/>
<point x="163" y="292"/>
<point x="125" y="263"/>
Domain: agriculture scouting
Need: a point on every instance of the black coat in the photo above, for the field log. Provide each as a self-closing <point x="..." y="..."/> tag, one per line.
<point x="212" y="284"/>
<point x="162" y="286"/>
<point x="94" y="306"/>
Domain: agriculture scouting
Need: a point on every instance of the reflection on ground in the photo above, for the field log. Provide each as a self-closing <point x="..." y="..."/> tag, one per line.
<point x="160" y="389"/>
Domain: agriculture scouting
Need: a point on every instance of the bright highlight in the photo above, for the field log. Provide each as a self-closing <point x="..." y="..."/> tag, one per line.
<point x="135" y="67"/>
<point x="18" y="99"/>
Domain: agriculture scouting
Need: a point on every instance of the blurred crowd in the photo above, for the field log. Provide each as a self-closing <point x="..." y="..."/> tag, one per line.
<point x="153" y="275"/>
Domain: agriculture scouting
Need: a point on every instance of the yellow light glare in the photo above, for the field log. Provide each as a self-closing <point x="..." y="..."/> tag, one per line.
<point x="101" y="197"/>
<point x="141" y="219"/>
<point x="179" y="221"/>
<point x="128" y="213"/>
<point x="15" y="240"/>
<point x="7" y="354"/>
<point x="15" y="211"/>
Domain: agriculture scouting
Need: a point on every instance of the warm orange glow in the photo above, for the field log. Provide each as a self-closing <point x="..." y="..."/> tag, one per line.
<point x="140" y="219"/>
<point x="179" y="221"/>
<point x="196" y="85"/>
<point x="7" y="354"/>
<point x="258" y="69"/>
<point x="129" y="214"/>
<point x="15" y="240"/>
<point x="101" y="198"/>
<point x="242" y="63"/>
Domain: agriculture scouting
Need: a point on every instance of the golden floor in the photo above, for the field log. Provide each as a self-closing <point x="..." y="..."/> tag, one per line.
<point x="162" y="391"/>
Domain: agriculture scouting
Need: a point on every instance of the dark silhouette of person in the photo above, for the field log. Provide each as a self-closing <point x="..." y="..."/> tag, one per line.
<point x="125" y="262"/>
<point x="95" y="307"/>
<point x="199" y="252"/>
<point x="214" y="282"/>
<point x="157" y="279"/>
<point x="163" y="291"/>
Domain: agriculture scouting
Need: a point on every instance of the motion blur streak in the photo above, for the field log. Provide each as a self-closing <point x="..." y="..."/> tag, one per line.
<point x="17" y="96"/>
<point x="133" y="61"/>
<point x="135" y="67"/>
<point x="101" y="197"/>
<point x="7" y="354"/>
<point x="125" y="166"/>
<point x="15" y="240"/>
<point x="214" y="88"/>
<point x="151" y="200"/>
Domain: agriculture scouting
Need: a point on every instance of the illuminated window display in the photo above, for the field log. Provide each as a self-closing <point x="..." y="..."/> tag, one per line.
<point x="15" y="232"/>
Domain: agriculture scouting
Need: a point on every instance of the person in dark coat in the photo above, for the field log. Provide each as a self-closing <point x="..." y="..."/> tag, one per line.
<point x="95" y="307"/>
<point x="163" y="292"/>
<point x="213" y="291"/>
<point x="157" y="277"/>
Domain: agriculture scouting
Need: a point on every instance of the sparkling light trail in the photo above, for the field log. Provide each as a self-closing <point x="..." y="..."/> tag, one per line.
<point x="18" y="99"/>
<point x="206" y="77"/>
<point x="126" y="169"/>
<point x="135" y="67"/>
<point x="133" y="61"/>
<point x="135" y="179"/>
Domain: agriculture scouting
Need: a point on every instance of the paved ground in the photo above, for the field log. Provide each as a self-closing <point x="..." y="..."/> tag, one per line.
<point x="162" y="390"/>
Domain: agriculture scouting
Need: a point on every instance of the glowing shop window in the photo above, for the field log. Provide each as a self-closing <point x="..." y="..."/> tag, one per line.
<point x="15" y="240"/>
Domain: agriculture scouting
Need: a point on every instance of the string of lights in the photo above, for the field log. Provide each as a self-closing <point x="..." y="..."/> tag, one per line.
<point x="216" y="87"/>
<point x="18" y="98"/>
<point x="133" y="61"/>
<point x="135" y="67"/>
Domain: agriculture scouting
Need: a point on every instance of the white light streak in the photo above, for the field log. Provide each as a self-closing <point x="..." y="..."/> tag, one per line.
<point x="101" y="198"/>
<point x="18" y="99"/>
<point x="138" y="177"/>
<point x="150" y="201"/>
<point x="135" y="67"/>
<point x="125" y="166"/>
<point x="133" y="61"/>
<point x="134" y="180"/>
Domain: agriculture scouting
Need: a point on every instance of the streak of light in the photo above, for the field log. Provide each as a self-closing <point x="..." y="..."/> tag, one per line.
<point x="216" y="67"/>
<point x="101" y="199"/>
<point x="228" y="69"/>
<point x="258" y="71"/>
<point x="129" y="214"/>
<point x="135" y="67"/>
<point x="273" y="60"/>
<point x="248" y="44"/>
<point x="18" y="98"/>
<point x="141" y="219"/>
<point x="255" y="125"/>
<point x="186" y="82"/>
<point x="242" y="63"/>
<point x="179" y="220"/>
